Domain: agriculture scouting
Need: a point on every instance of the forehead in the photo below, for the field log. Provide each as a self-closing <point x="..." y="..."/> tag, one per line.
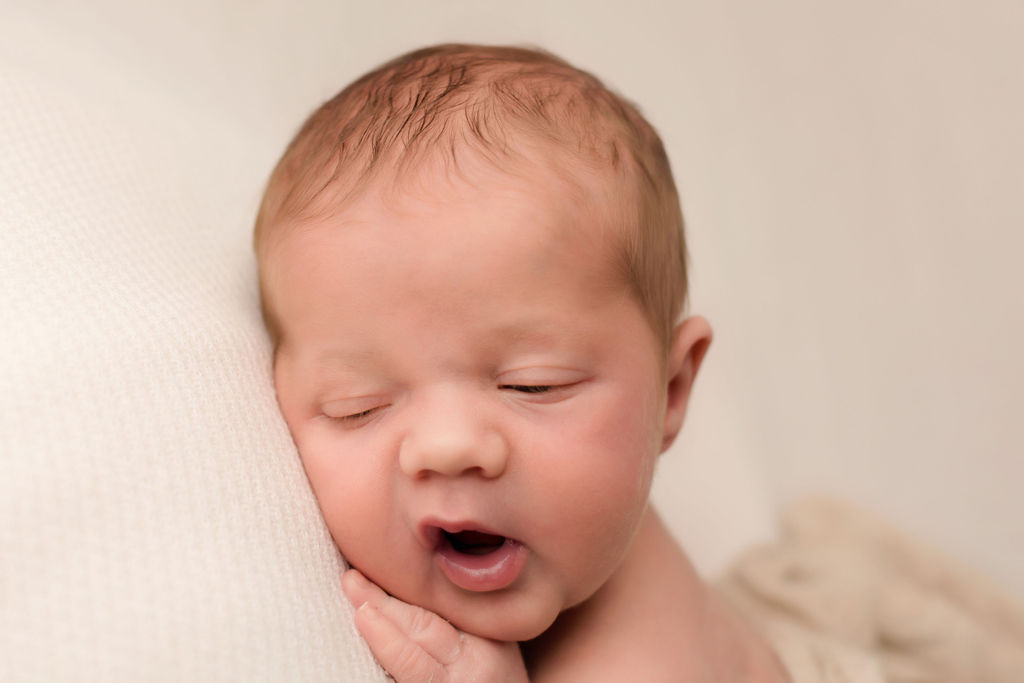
<point x="531" y="205"/>
<point x="444" y="243"/>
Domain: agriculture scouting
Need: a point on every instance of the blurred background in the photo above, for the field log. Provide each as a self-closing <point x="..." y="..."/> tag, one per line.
<point x="852" y="176"/>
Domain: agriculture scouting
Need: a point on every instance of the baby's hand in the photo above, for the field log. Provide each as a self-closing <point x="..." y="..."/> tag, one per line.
<point x="415" y="645"/>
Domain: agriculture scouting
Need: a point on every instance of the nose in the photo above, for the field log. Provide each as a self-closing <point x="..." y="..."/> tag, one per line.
<point x="451" y="439"/>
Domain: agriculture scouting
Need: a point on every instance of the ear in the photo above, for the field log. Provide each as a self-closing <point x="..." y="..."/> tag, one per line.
<point x="690" y="342"/>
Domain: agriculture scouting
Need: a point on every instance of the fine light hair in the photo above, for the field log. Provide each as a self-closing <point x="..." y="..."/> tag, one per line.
<point x="501" y="104"/>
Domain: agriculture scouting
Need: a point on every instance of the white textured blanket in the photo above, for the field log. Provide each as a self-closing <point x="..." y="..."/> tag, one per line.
<point x="846" y="597"/>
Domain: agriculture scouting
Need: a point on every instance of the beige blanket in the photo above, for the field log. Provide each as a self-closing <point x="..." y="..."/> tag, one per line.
<point x="845" y="597"/>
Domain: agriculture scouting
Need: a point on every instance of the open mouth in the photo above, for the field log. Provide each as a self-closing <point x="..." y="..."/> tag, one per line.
<point x="472" y="542"/>
<point x="477" y="560"/>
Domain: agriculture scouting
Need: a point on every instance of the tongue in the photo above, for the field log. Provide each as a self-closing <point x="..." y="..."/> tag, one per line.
<point x="475" y="542"/>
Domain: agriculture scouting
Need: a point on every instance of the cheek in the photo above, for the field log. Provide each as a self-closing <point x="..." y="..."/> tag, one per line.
<point x="348" y="490"/>
<point x="597" y="479"/>
<point x="622" y="435"/>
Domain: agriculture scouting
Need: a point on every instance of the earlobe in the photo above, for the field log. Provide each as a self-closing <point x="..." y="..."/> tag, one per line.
<point x="690" y="342"/>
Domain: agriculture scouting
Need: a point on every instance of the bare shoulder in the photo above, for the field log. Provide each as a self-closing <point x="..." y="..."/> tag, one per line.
<point x="655" y="620"/>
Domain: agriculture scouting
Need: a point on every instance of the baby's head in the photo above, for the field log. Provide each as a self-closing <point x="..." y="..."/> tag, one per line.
<point x="472" y="268"/>
<point x="439" y="113"/>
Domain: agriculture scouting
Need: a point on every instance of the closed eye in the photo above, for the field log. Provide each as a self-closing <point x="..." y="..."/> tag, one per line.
<point x="356" y="416"/>
<point x="354" y="419"/>
<point x="529" y="388"/>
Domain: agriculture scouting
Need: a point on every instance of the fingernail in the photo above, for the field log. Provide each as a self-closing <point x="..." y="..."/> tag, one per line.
<point x="355" y="586"/>
<point x="356" y="578"/>
<point x="349" y="584"/>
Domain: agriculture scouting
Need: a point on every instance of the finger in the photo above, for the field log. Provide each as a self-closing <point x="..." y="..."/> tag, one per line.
<point x="436" y="636"/>
<point x="402" y="657"/>
<point x="358" y="589"/>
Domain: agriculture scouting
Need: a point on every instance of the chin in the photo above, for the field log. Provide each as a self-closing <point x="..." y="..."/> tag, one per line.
<point x="504" y="623"/>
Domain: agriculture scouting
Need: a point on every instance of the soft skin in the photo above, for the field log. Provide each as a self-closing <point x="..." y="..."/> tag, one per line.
<point x="469" y="355"/>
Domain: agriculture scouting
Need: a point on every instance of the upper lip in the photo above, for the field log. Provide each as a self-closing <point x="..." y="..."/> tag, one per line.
<point x="432" y="529"/>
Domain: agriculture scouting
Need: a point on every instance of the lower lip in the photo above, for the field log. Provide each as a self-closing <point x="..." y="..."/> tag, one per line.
<point x="482" y="573"/>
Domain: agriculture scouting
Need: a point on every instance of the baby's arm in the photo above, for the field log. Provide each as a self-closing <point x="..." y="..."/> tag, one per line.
<point x="414" y="644"/>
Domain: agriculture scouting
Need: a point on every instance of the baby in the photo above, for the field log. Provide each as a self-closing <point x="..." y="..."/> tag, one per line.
<point x="472" y="268"/>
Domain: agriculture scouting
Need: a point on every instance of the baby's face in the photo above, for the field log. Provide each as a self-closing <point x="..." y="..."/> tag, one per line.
<point x="477" y="399"/>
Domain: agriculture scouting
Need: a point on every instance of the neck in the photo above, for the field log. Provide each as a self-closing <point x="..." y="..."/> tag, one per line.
<point x="654" y="619"/>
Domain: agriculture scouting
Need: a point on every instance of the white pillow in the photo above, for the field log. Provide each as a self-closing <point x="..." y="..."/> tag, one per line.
<point x="155" y="522"/>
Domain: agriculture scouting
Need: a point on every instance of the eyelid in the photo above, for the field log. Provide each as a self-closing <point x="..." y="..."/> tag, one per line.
<point x="542" y="384"/>
<point x="541" y="376"/>
<point x="352" y="408"/>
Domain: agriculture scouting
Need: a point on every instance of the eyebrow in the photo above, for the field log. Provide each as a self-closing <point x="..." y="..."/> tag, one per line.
<point x="546" y="332"/>
<point x="342" y="355"/>
<point x="340" y="362"/>
<point x="523" y="332"/>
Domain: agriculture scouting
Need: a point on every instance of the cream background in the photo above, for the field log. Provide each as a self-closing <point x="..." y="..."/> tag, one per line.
<point x="852" y="178"/>
<point x="851" y="175"/>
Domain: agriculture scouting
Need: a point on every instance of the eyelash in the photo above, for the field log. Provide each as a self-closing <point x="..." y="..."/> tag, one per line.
<point x="354" y="416"/>
<point x="529" y="388"/>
